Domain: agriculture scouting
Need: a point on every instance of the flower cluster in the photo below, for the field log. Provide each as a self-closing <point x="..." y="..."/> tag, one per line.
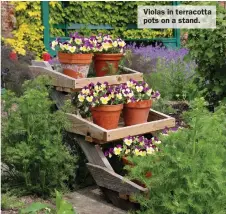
<point x="106" y="44"/>
<point x="76" y="44"/>
<point x="81" y="44"/>
<point x="135" y="91"/>
<point x="167" y="131"/>
<point x="101" y="94"/>
<point x="137" y="145"/>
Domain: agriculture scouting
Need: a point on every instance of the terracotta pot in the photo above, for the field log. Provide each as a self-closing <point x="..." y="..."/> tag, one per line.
<point x="75" y="65"/>
<point x="107" y="116"/>
<point x="103" y="63"/>
<point x="136" y="112"/>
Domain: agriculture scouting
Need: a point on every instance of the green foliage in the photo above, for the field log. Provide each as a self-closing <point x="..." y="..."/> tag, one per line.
<point x="10" y="202"/>
<point x="188" y="174"/>
<point x="32" y="145"/>
<point x="173" y="79"/>
<point x="62" y="207"/>
<point x="116" y="14"/>
<point x="208" y="48"/>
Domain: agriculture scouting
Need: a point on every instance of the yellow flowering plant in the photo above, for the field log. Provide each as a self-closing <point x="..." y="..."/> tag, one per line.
<point x="135" y="91"/>
<point x="76" y="44"/>
<point x="136" y="145"/>
<point x="100" y="94"/>
<point x="106" y="44"/>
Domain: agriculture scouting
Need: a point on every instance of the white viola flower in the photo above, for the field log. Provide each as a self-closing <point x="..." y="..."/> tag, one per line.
<point x="128" y="142"/>
<point x="139" y="88"/>
<point x="62" y="46"/>
<point x="119" y="96"/>
<point x="85" y="91"/>
<point x="150" y="150"/>
<point x="78" y="41"/>
<point x="121" y="44"/>
<point x="81" y="98"/>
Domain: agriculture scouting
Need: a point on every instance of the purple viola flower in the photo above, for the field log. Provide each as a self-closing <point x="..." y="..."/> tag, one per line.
<point x="111" y="150"/>
<point x="106" y="153"/>
<point x="119" y="146"/>
<point x="133" y="99"/>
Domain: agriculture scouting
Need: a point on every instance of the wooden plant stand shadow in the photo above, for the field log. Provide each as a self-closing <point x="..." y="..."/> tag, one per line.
<point x="90" y="136"/>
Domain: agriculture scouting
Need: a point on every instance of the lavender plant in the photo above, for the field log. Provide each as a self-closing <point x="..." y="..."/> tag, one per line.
<point x="165" y="69"/>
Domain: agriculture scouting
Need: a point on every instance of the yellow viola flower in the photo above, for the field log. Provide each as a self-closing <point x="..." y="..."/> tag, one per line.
<point x="104" y="100"/>
<point x="139" y="88"/>
<point x="95" y="94"/>
<point x="72" y="49"/>
<point x="81" y="98"/>
<point x="129" y="84"/>
<point x="83" y="48"/>
<point x="89" y="99"/>
<point x="150" y="150"/>
<point x="119" y="96"/>
<point x="96" y="88"/>
<point x="127" y="151"/>
<point x="122" y="44"/>
<point x="117" y="150"/>
<point x="85" y="91"/>
<point x="149" y="92"/>
<point x="128" y="142"/>
<point x="115" y="44"/>
<point x="141" y="143"/>
<point x="142" y="153"/>
<point x="78" y="41"/>
<point x="137" y="152"/>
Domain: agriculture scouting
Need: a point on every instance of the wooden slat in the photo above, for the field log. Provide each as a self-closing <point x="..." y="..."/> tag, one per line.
<point x="58" y="79"/>
<point x="86" y="128"/>
<point x="59" y="97"/>
<point x="112" y="80"/>
<point x="68" y="84"/>
<point x="43" y="64"/>
<point x="93" y="153"/>
<point x="138" y="129"/>
<point x="111" y="180"/>
<point x="100" y="135"/>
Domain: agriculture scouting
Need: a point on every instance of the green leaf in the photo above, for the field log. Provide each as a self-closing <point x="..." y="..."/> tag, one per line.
<point x="34" y="207"/>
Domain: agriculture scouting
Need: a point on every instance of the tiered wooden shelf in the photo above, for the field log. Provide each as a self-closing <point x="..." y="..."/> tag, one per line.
<point x="90" y="135"/>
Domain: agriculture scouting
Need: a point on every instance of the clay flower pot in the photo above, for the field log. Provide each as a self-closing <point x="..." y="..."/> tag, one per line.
<point x="136" y="112"/>
<point x="106" y="63"/>
<point x="75" y="65"/>
<point x="107" y="116"/>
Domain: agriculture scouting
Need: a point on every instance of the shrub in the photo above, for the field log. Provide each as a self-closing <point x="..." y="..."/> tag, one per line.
<point x="188" y="174"/>
<point x="14" y="73"/>
<point x="208" y="49"/>
<point x="32" y="147"/>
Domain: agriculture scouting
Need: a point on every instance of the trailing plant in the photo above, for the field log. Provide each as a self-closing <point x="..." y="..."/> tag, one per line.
<point x="62" y="206"/>
<point x="208" y="49"/>
<point x="188" y="174"/>
<point x="32" y="147"/>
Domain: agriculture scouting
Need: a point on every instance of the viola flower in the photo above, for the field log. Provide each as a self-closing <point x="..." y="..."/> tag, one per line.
<point x="81" y="98"/>
<point x="89" y="99"/>
<point x="150" y="150"/>
<point x="104" y="100"/>
<point x="128" y="141"/>
<point x="137" y="152"/>
<point x="117" y="150"/>
<point x="139" y="88"/>
<point x="85" y="91"/>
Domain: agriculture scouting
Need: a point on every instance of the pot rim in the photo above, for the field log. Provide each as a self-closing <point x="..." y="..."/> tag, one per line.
<point x="118" y="107"/>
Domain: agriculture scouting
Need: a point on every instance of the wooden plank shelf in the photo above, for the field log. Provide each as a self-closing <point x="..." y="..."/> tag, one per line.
<point x="97" y="134"/>
<point x="69" y="84"/>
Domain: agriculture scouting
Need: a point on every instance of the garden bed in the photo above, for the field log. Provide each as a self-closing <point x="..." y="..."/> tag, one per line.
<point x="95" y="133"/>
<point x="68" y="84"/>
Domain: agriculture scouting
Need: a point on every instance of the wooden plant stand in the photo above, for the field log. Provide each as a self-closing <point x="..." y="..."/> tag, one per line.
<point x="90" y="135"/>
